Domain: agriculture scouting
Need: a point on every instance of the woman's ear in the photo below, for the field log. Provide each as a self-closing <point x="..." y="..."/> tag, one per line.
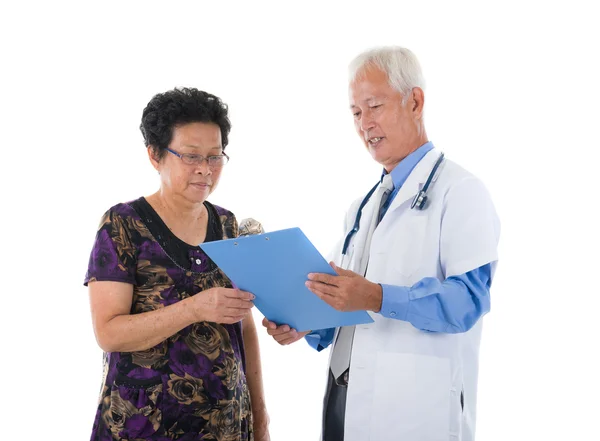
<point x="153" y="159"/>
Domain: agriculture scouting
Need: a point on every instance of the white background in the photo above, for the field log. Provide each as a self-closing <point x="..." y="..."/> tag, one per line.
<point x="512" y="96"/>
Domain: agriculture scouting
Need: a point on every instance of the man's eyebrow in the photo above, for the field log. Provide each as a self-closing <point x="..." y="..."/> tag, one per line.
<point x="368" y="100"/>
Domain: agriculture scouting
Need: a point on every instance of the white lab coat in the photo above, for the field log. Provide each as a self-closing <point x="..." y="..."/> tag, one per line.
<point x="406" y="384"/>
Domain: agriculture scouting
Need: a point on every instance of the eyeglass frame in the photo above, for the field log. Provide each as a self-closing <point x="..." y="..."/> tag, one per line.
<point x="201" y="160"/>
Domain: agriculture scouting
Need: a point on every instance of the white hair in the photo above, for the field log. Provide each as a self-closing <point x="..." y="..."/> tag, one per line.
<point x="400" y="65"/>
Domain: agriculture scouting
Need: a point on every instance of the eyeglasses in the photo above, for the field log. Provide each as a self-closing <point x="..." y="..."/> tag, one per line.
<point x="214" y="161"/>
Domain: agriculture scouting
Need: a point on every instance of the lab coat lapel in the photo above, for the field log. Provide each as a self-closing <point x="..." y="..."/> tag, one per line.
<point x="414" y="182"/>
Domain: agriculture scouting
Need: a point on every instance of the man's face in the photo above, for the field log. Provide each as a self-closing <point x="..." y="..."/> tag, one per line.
<point x="390" y="129"/>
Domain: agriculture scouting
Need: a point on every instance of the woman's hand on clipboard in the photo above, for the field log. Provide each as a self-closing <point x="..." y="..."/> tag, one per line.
<point x="222" y="305"/>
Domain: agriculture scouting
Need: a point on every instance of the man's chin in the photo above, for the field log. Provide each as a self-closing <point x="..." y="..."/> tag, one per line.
<point x="379" y="155"/>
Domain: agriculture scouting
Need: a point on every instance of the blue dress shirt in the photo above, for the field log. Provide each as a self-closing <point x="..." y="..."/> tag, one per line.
<point x="451" y="306"/>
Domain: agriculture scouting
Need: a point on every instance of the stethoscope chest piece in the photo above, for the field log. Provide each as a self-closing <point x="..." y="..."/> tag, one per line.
<point x="419" y="201"/>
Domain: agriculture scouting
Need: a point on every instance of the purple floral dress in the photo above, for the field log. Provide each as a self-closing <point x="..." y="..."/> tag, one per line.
<point x="191" y="386"/>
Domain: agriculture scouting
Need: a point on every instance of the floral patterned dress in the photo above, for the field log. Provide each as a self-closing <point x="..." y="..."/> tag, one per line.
<point x="191" y="386"/>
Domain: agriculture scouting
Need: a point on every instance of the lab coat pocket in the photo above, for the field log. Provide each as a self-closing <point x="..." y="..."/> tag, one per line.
<point x="411" y="398"/>
<point x="456" y="412"/>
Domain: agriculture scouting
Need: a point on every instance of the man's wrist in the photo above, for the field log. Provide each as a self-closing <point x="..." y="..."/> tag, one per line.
<point x="375" y="298"/>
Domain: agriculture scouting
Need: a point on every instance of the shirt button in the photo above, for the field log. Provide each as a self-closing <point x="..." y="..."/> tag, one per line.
<point x="198" y="261"/>
<point x="393" y="314"/>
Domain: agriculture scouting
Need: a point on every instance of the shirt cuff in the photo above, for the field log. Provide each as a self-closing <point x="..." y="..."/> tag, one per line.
<point x="394" y="304"/>
<point x="319" y="340"/>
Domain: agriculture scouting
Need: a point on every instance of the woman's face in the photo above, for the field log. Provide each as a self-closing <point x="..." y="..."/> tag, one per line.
<point x="192" y="183"/>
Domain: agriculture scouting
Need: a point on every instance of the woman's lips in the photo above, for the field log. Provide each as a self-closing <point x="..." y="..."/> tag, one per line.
<point x="200" y="184"/>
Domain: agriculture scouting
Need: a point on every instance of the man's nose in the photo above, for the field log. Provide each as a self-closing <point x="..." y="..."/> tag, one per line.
<point x="366" y="122"/>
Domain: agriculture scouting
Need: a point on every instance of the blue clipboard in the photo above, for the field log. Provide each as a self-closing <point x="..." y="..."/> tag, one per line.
<point x="274" y="267"/>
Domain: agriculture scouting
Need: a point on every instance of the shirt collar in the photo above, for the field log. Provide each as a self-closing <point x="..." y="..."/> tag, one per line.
<point x="401" y="172"/>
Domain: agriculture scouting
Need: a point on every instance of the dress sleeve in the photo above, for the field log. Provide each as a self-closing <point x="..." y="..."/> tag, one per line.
<point x="113" y="256"/>
<point x="230" y="226"/>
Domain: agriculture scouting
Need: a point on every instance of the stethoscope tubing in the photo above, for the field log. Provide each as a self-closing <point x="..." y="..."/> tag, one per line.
<point x="418" y="202"/>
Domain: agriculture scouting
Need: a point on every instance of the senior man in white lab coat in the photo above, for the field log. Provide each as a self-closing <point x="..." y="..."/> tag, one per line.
<point x="418" y="253"/>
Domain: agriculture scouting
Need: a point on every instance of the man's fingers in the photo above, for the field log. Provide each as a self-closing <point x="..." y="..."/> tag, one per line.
<point x="323" y="278"/>
<point x="289" y="341"/>
<point x="268" y="324"/>
<point x="284" y="335"/>
<point x="325" y="292"/>
<point x="288" y="337"/>
<point x="279" y="330"/>
<point x="292" y="337"/>
<point x="321" y="288"/>
<point x="327" y="298"/>
<point x="272" y="327"/>
<point x="342" y="271"/>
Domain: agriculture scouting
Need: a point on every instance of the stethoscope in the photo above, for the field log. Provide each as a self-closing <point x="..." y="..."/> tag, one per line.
<point x="419" y="202"/>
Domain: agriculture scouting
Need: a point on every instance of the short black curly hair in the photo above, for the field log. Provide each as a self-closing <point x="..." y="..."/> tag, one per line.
<point x="177" y="107"/>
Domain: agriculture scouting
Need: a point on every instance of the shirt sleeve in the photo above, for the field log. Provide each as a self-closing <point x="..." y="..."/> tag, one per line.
<point x="469" y="236"/>
<point x="321" y="339"/>
<point x="451" y="306"/>
<point x="113" y="256"/>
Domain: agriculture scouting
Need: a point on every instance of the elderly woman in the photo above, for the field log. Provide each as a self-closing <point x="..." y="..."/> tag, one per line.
<point x="181" y="350"/>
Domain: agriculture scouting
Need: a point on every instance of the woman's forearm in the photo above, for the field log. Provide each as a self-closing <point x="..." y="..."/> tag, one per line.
<point x="254" y="374"/>
<point x="138" y="332"/>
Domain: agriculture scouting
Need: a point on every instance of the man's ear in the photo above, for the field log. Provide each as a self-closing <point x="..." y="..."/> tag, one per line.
<point x="417" y="101"/>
